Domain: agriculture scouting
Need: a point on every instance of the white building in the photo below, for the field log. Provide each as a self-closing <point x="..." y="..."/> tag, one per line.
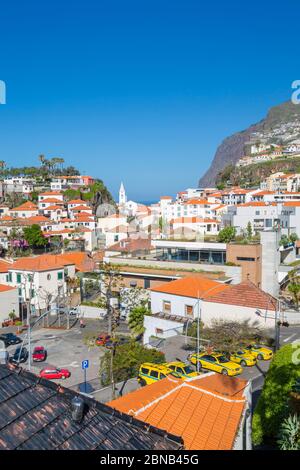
<point x="9" y="302"/>
<point x="122" y="195"/>
<point x="41" y="279"/>
<point x="176" y="303"/>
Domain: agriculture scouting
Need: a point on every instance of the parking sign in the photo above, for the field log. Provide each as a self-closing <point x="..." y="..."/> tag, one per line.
<point x="85" y="364"/>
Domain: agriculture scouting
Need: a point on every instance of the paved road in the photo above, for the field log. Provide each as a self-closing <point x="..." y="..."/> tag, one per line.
<point x="67" y="349"/>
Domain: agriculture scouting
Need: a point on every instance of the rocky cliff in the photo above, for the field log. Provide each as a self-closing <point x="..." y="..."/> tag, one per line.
<point x="281" y="126"/>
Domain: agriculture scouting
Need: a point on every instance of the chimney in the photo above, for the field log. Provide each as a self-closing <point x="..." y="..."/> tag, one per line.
<point x="77" y="406"/>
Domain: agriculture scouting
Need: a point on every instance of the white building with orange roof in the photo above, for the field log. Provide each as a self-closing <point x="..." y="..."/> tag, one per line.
<point x="50" y="194"/>
<point x="208" y="412"/>
<point x="42" y="279"/>
<point x="82" y="209"/>
<point x="49" y="201"/>
<point x="55" y="212"/>
<point x="261" y="215"/>
<point x="282" y="182"/>
<point x="176" y="303"/>
<point x="237" y="196"/>
<point x="112" y="221"/>
<point x="28" y="209"/>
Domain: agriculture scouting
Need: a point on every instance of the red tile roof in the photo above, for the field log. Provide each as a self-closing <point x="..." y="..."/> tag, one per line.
<point x="4" y="266"/>
<point x="195" y="287"/>
<point x="245" y="294"/>
<point x="130" y="245"/>
<point x="27" y="206"/>
<point x="205" y="411"/>
<point x="4" y="288"/>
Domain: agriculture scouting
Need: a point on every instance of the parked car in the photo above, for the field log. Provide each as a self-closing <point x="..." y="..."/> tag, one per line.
<point x="150" y="373"/>
<point x="260" y="352"/>
<point x="181" y="369"/>
<point x="39" y="354"/>
<point x="243" y="357"/>
<point x="9" y="339"/>
<point x="20" y="355"/>
<point x="215" y="362"/>
<point x="74" y="312"/>
<point x="55" y="373"/>
<point x="102" y="339"/>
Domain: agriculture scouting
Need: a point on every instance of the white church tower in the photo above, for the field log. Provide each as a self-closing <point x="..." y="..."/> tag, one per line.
<point x="122" y="195"/>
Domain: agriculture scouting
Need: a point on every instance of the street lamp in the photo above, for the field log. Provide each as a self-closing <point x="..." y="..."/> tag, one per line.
<point x="276" y="317"/>
<point x="199" y="319"/>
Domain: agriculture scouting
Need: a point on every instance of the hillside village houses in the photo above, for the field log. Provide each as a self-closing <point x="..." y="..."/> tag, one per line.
<point x="187" y="224"/>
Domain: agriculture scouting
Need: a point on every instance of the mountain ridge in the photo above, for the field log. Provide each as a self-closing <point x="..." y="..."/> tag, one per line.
<point x="279" y="125"/>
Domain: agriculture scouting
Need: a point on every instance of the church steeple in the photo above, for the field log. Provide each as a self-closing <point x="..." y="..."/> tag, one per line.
<point x="122" y="195"/>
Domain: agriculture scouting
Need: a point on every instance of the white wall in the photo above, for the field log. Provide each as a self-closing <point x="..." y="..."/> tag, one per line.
<point x="177" y="303"/>
<point x="170" y="328"/>
<point x="211" y="311"/>
<point x="8" y="302"/>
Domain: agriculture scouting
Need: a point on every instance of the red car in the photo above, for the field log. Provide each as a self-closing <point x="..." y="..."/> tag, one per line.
<point x="55" y="373"/>
<point x="102" y="339"/>
<point x="39" y="354"/>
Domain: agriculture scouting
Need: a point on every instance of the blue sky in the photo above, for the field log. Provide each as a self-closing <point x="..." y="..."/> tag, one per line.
<point x="140" y="91"/>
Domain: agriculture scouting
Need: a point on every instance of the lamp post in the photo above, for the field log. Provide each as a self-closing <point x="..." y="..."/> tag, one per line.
<point x="199" y="319"/>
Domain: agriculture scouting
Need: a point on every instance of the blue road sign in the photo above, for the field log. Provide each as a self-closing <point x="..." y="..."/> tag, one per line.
<point x="85" y="364"/>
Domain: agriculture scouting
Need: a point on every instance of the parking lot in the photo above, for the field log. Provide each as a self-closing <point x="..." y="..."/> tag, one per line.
<point x="68" y="348"/>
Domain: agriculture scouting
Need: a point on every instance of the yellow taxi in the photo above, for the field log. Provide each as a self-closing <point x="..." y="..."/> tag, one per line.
<point x="216" y="362"/>
<point x="181" y="369"/>
<point x="260" y="352"/>
<point x="243" y="357"/>
<point x="150" y="373"/>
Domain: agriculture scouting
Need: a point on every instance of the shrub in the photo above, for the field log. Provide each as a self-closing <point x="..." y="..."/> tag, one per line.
<point x="289" y="435"/>
<point x="271" y="406"/>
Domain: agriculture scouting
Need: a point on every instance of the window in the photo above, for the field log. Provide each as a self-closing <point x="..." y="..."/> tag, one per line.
<point x="48" y="277"/>
<point x="162" y="376"/>
<point x="145" y="371"/>
<point x="60" y="276"/>
<point x="154" y="374"/>
<point x="32" y="293"/>
<point x="19" y="278"/>
<point x="243" y="258"/>
<point x="146" y="283"/>
<point x="166" y="306"/>
<point x="189" y="310"/>
<point x="9" y="277"/>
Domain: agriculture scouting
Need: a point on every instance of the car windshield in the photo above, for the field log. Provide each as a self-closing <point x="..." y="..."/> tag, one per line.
<point x="187" y="370"/>
<point x="222" y="359"/>
<point x="240" y="352"/>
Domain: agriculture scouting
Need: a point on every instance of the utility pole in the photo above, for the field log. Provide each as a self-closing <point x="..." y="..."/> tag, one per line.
<point x="198" y="331"/>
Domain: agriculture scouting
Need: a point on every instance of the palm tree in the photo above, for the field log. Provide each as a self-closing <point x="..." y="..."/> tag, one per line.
<point x="42" y="159"/>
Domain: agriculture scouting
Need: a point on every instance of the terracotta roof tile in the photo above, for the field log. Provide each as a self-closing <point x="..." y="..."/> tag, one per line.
<point x="245" y="294"/>
<point x="191" y="286"/>
<point x="204" y="417"/>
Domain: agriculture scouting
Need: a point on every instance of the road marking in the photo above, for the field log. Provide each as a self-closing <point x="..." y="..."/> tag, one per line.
<point x="290" y="337"/>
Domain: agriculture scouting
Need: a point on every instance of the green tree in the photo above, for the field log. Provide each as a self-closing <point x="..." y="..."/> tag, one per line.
<point x="294" y="288"/>
<point x="293" y="237"/>
<point x="34" y="236"/>
<point x="249" y="230"/>
<point x="136" y="319"/>
<point x="227" y="234"/>
<point x="272" y="404"/>
<point x="127" y="360"/>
